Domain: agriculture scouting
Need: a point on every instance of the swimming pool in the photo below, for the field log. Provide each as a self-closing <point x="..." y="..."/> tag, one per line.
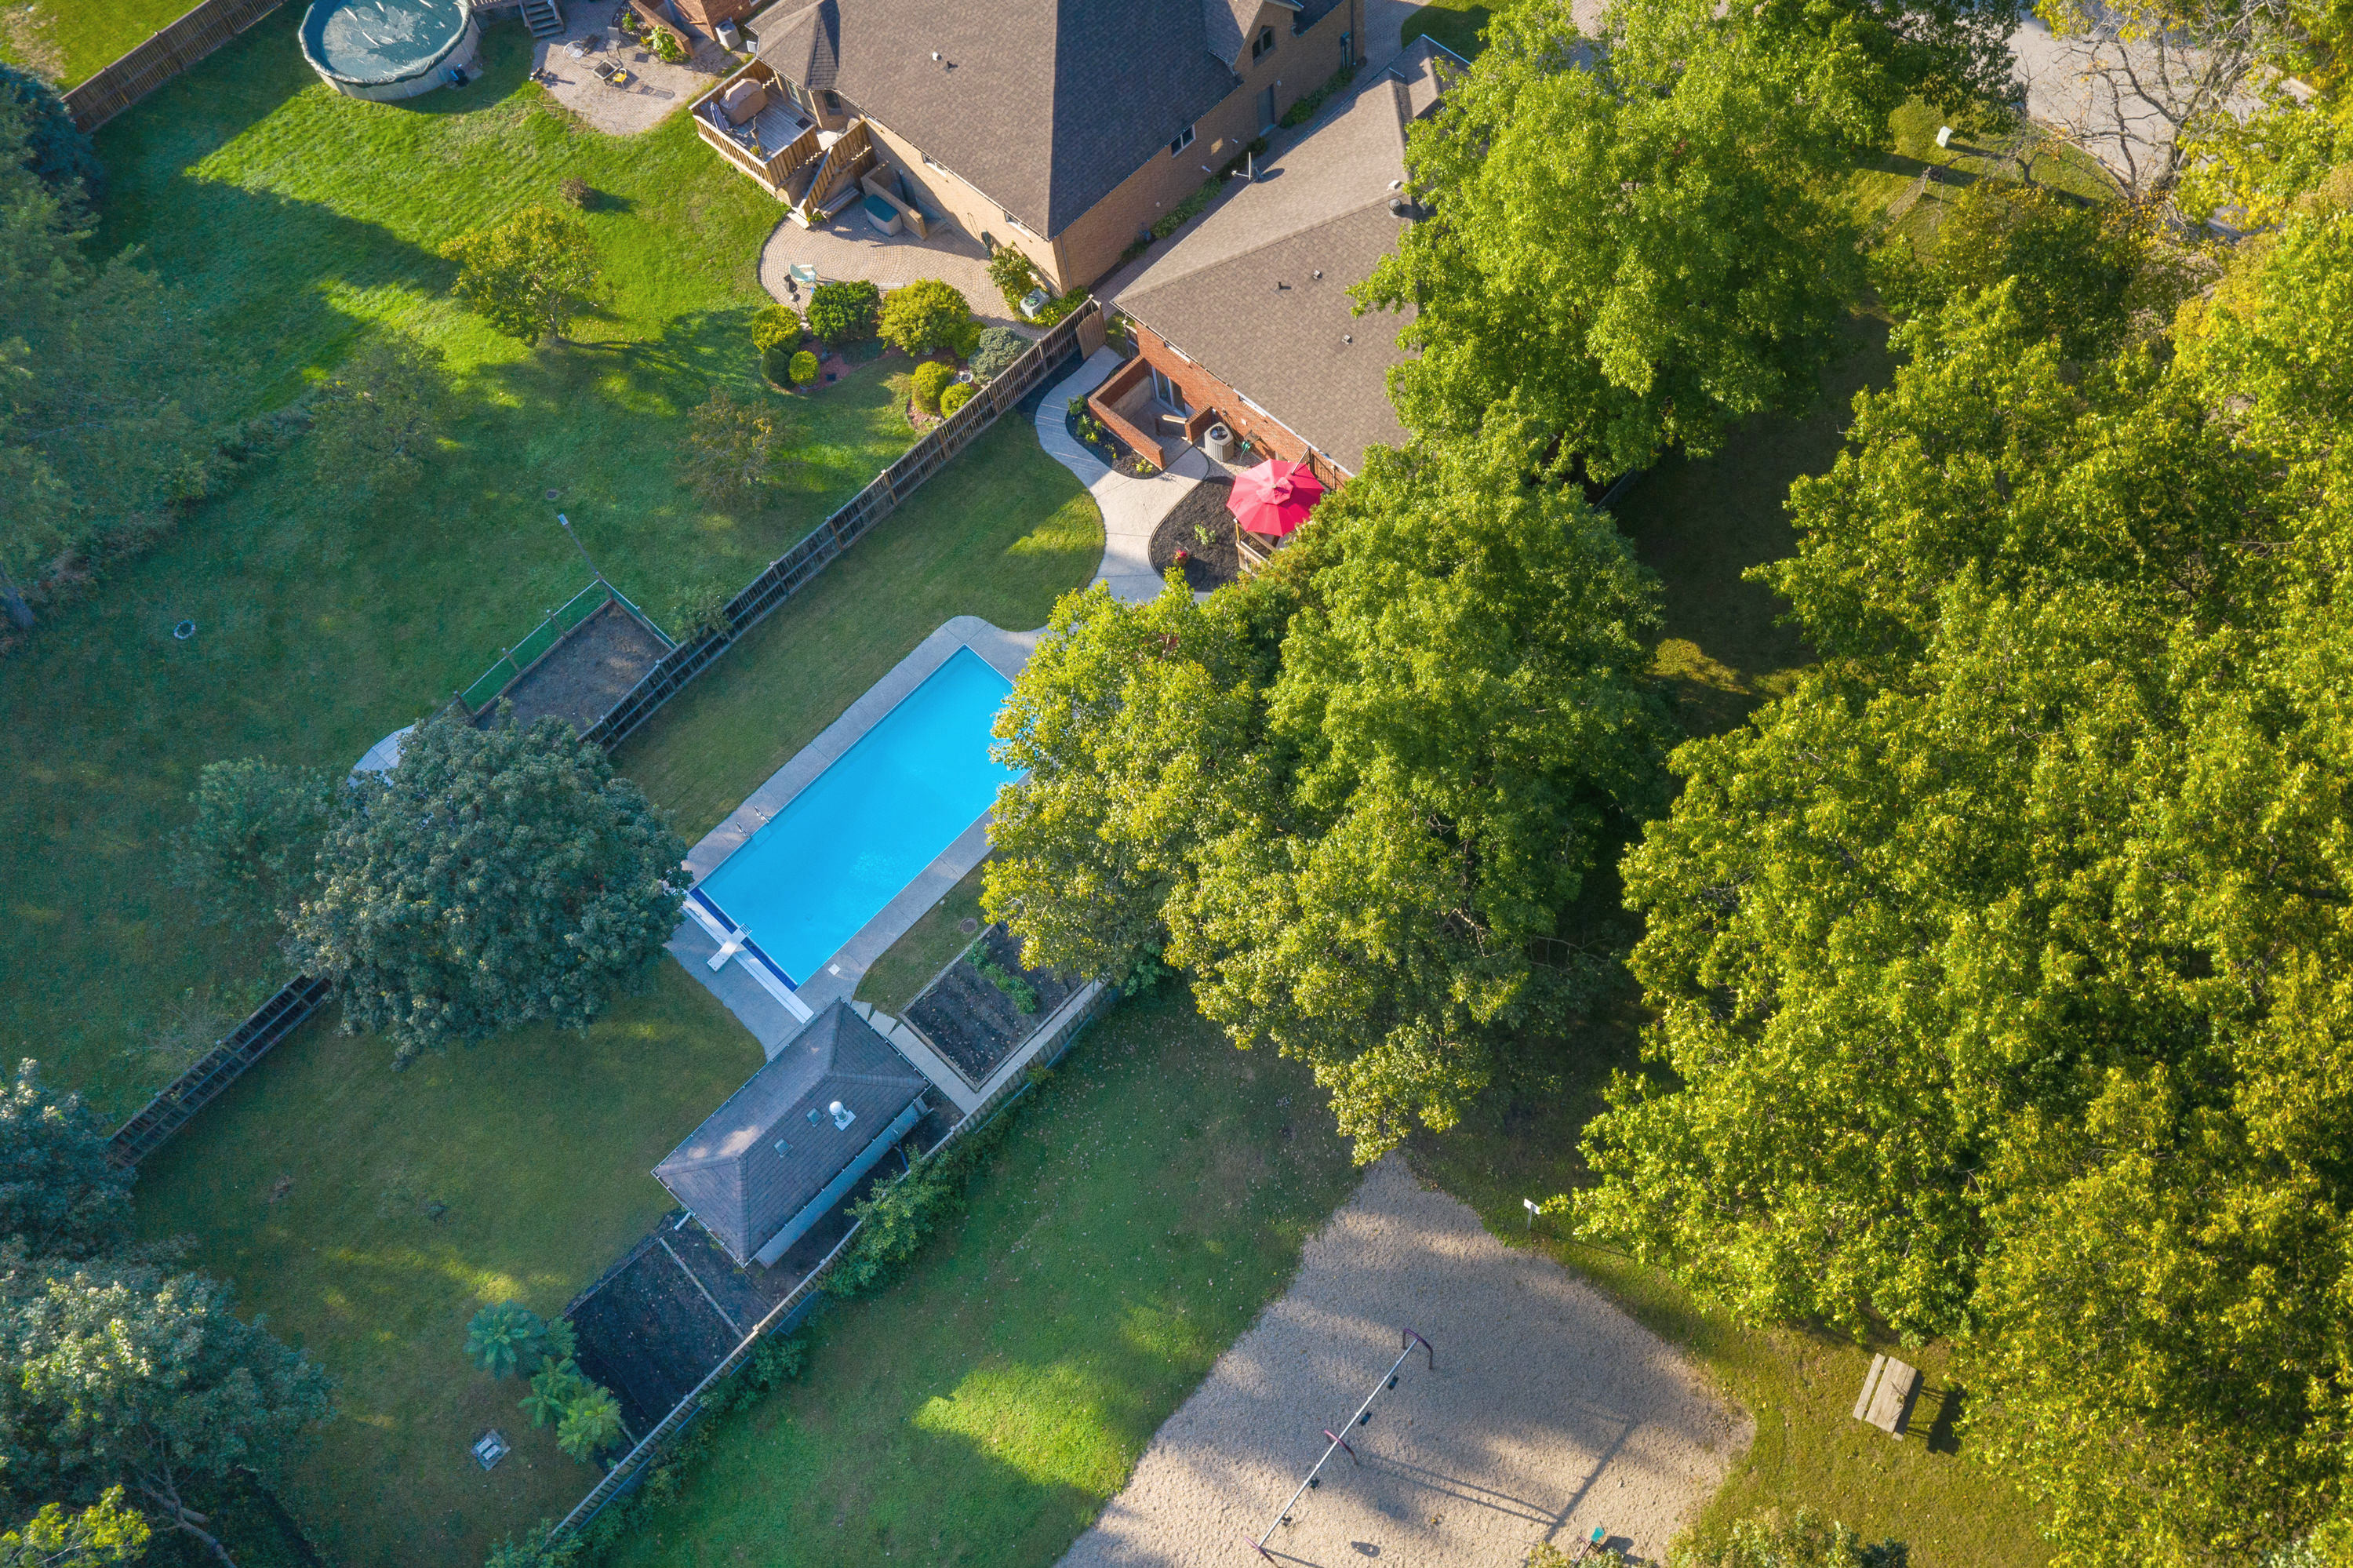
<point x="867" y="826"/>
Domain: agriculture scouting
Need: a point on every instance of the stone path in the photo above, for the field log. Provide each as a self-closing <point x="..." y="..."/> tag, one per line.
<point x="1550" y="1411"/>
<point x="1132" y="508"/>
<point x="622" y="111"/>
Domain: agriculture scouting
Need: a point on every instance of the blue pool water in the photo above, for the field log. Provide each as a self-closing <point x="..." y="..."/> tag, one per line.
<point x="870" y="823"/>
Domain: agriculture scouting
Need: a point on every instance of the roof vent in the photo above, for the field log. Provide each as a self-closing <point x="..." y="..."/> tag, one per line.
<point x="842" y="1114"/>
<point x="1397" y="207"/>
<point x="814" y="1113"/>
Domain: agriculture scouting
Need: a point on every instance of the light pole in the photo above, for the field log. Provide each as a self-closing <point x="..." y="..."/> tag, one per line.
<point x="577" y="545"/>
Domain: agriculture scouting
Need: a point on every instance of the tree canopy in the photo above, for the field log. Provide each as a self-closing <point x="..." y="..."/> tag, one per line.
<point x="1643" y="236"/>
<point x="1359" y="798"/>
<point x="109" y="396"/>
<point x="1998" y="967"/>
<point x="530" y="275"/>
<point x="493" y="877"/>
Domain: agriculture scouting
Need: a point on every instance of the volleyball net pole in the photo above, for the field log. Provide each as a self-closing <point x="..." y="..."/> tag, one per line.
<point x="1386" y="1380"/>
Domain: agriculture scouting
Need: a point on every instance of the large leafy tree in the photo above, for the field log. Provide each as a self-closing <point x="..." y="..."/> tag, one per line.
<point x="252" y="845"/>
<point x="109" y="396"/>
<point x="124" y="1375"/>
<point x="493" y="877"/>
<point x="1645" y="235"/>
<point x="59" y="1194"/>
<point x="530" y="275"/>
<point x="1360" y="797"/>
<point x="1999" y="967"/>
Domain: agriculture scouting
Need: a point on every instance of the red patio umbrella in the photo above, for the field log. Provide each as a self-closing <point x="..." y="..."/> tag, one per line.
<point x="1274" y="497"/>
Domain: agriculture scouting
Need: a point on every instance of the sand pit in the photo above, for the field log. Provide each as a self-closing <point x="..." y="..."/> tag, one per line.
<point x="1550" y="1411"/>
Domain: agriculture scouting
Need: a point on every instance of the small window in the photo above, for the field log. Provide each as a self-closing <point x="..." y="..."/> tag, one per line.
<point x="1184" y="140"/>
<point x="1263" y="45"/>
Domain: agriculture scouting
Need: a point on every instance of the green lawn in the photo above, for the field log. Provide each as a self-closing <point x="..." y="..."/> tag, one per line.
<point x="313" y="1184"/>
<point x="296" y="219"/>
<point x="1456" y="23"/>
<point x="69" y="43"/>
<point x="1149" y="1200"/>
<point x="901" y="974"/>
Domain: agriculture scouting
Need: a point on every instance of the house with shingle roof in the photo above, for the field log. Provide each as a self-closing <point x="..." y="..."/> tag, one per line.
<point x="1063" y="129"/>
<point x="792" y="1142"/>
<point x="1246" y="321"/>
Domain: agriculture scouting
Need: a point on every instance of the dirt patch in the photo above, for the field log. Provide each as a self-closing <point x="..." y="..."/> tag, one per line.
<point x="974" y="1023"/>
<point x="1200" y="526"/>
<point x="592" y="667"/>
<point x="1549" y="1412"/>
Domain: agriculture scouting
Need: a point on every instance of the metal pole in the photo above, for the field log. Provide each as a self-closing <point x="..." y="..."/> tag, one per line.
<point x="1387" y="1380"/>
<point x="577" y="545"/>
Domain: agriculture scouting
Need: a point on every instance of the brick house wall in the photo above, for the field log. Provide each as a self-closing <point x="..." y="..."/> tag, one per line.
<point x="1298" y="65"/>
<point x="967" y="207"/>
<point x="1214" y="401"/>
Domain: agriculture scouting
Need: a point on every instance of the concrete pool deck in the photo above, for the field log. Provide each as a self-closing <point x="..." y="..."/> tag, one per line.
<point x="769" y="1020"/>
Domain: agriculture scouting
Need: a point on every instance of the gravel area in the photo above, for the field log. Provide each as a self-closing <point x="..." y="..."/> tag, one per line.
<point x="1550" y="1411"/>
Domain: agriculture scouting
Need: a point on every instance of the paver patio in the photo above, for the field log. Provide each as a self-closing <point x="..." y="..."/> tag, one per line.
<point x="849" y="250"/>
<point x="1132" y="508"/>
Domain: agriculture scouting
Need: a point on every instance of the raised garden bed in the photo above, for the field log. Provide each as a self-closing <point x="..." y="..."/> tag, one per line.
<point x="973" y="1013"/>
<point x="1211" y="563"/>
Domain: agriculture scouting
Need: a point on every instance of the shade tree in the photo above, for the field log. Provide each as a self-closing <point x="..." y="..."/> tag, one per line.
<point x="493" y="877"/>
<point x="1359" y="798"/>
<point x="1994" y="965"/>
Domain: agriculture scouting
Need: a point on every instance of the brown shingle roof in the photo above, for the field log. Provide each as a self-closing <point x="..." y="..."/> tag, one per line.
<point x="1044" y="105"/>
<point x="759" y="1159"/>
<point x="1240" y="295"/>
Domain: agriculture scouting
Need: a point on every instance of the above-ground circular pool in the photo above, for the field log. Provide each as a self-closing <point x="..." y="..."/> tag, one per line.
<point x="384" y="49"/>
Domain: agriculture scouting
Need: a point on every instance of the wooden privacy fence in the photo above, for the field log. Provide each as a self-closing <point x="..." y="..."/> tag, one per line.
<point x="277" y="1018"/>
<point x="176" y="48"/>
<point x="649" y="1449"/>
<point x="790" y="571"/>
<point x="215" y="1070"/>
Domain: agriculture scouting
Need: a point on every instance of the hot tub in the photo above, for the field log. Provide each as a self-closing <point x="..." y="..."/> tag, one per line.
<point x="882" y="215"/>
<point x="386" y="49"/>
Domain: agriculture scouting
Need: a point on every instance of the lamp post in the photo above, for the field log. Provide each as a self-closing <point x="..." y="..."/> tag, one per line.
<point x="566" y="523"/>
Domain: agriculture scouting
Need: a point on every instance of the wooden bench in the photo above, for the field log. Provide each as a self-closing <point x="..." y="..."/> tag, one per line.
<point x="1888" y="1390"/>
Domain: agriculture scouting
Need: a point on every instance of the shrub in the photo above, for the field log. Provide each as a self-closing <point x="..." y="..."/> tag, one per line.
<point x="528" y="276"/>
<point x="893" y="1221"/>
<point x="735" y="449"/>
<point x="928" y="314"/>
<point x="506" y="1338"/>
<point x="1770" y="1539"/>
<point x="1012" y="273"/>
<point x="931" y="380"/>
<point x="804" y="368"/>
<point x="1301" y="112"/>
<point x="59" y="152"/>
<point x="376" y="420"/>
<point x="255" y="836"/>
<point x="995" y="353"/>
<point x="956" y="396"/>
<point x="667" y="49"/>
<point x="774" y="325"/>
<point x="699" y="605"/>
<point x="575" y="190"/>
<point x="844" y="313"/>
<point x="1182" y="213"/>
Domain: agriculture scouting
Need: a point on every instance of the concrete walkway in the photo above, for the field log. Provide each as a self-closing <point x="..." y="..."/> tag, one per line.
<point x="1132" y="508"/>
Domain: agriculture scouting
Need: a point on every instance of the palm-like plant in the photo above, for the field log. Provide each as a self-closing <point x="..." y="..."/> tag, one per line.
<point x="507" y="1337"/>
<point x="559" y="1382"/>
<point x="591" y="1424"/>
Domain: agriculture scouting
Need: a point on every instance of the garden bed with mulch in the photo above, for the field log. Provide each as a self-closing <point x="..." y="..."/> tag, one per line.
<point x="1202" y="527"/>
<point x="974" y="1014"/>
<point x="1115" y="452"/>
